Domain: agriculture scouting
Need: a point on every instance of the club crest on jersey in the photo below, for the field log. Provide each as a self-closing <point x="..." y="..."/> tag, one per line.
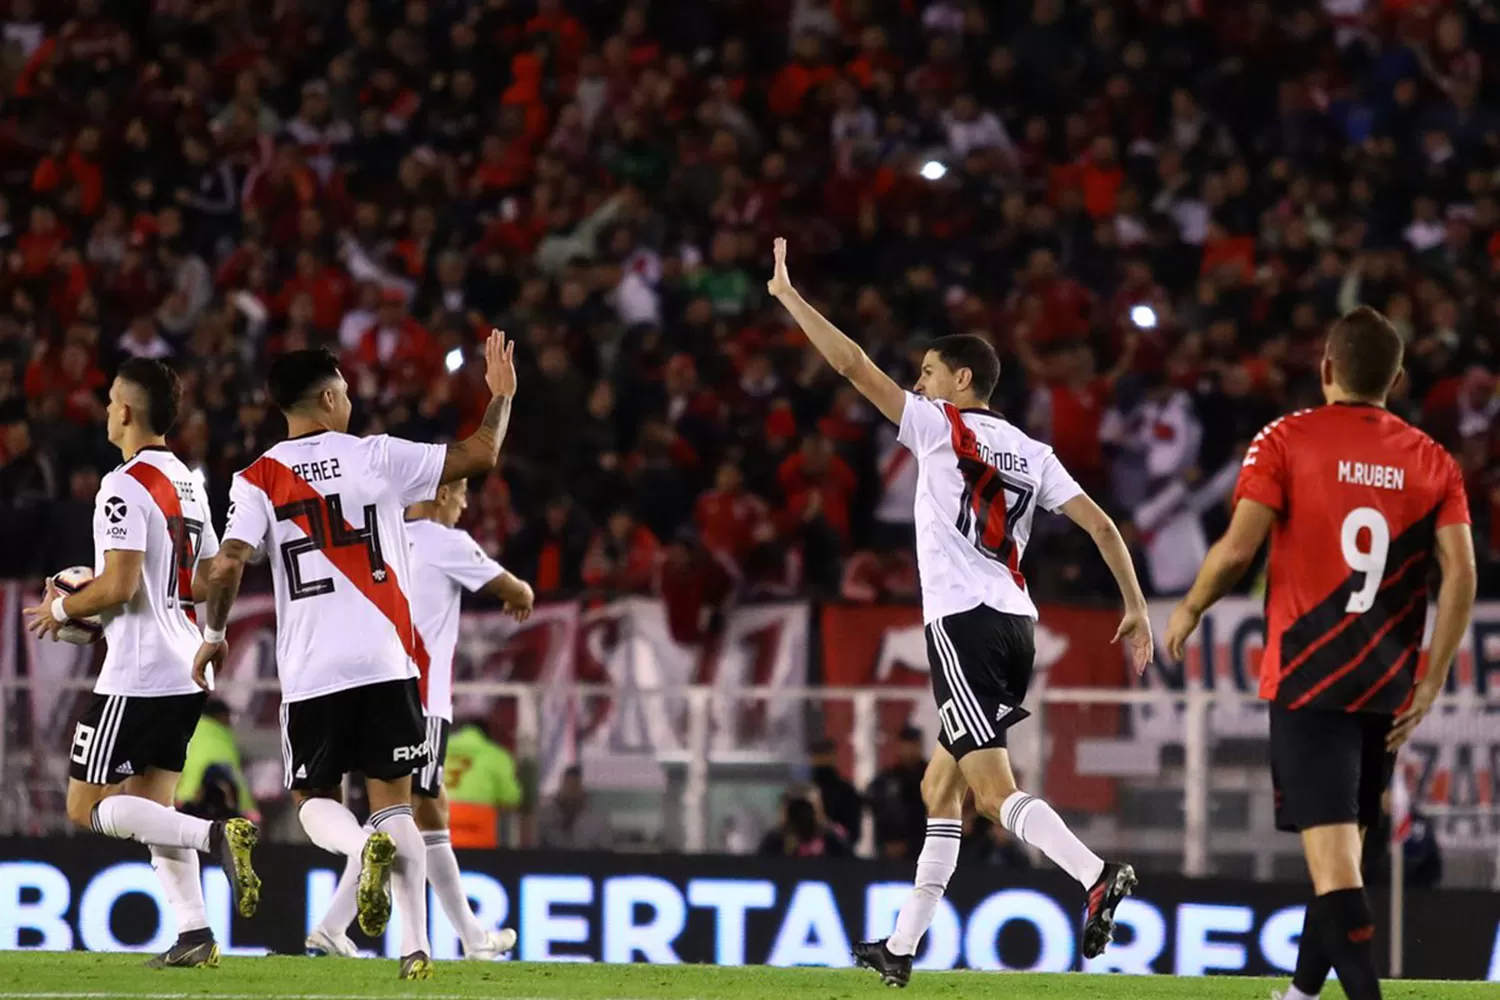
<point x="115" y="510"/>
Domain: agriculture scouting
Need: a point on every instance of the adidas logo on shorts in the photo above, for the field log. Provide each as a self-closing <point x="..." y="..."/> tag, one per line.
<point x="125" y="769"/>
<point x="1002" y="713"/>
<point x="301" y="772"/>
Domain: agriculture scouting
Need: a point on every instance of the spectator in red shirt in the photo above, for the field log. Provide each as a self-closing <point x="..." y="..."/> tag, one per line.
<point x="816" y="487"/>
<point x="1063" y="305"/>
<point x="729" y="517"/>
<point x="871" y="577"/>
<point x="397" y="346"/>
<point x="805" y="73"/>
<point x="622" y="555"/>
<point x="327" y="287"/>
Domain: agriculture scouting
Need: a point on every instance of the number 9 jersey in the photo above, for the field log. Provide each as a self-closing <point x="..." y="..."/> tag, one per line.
<point x="328" y="510"/>
<point x="1359" y="496"/>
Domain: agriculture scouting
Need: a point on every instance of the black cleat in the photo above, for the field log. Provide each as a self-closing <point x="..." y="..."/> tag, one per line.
<point x="895" y="970"/>
<point x="233" y="840"/>
<point x="416" y="966"/>
<point x="1115" y="883"/>
<point x="192" y="951"/>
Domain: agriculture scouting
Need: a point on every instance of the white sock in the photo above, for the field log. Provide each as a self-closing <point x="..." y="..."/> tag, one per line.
<point x="443" y="873"/>
<point x="177" y="867"/>
<point x="1034" y="822"/>
<point x="408" y="875"/>
<point x="1292" y="993"/>
<point x="130" y="817"/>
<point x="934" y="868"/>
<point x="343" y="906"/>
<point x="332" y="826"/>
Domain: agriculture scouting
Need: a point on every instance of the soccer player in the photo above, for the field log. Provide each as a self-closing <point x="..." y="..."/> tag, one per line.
<point x="328" y="509"/>
<point x="979" y="481"/>
<point x="1357" y="503"/>
<point x="151" y="529"/>
<point x="445" y="563"/>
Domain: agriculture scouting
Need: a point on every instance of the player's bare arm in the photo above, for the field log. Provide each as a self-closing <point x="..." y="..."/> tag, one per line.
<point x="478" y="452"/>
<point x="1226" y="564"/>
<point x="111" y="589"/>
<point x="1455" y="604"/>
<point x="1135" y="626"/>
<point x="221" y="578"/>
<point x="515" y="592"/>
<point x="846" y="357"/>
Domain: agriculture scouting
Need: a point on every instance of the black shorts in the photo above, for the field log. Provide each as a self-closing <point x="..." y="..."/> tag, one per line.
<point x="377" y="729"/>
<point x="1328" y="767"/>
<point x="981" y="662"/>
<point x="120" y="736"/>
<point x="428" y="779"/>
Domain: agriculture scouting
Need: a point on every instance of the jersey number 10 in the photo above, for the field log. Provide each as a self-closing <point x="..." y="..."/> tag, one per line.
<point x="326" y="531"/>
<point x="1369" y="561"/>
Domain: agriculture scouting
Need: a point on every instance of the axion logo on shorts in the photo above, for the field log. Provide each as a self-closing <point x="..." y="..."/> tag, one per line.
<point x="115" y="510"/>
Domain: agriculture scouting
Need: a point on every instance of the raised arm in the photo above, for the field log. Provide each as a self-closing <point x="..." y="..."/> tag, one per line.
<point x="1135" y="625"/>
<point x="1224" y="566"/>
<point x="478" y="452"/>
<point x="846" y="357"/>
<point x="1455" y="603"/>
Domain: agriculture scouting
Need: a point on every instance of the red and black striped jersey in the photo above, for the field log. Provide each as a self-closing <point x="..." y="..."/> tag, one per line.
<point x="1360" y="495"/>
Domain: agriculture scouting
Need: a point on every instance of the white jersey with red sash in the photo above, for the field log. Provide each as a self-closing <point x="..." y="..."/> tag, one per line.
<point x="155" y="505"/>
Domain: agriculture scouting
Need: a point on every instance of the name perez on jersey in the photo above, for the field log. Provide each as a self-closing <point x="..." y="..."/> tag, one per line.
<point x="318" y="471"/>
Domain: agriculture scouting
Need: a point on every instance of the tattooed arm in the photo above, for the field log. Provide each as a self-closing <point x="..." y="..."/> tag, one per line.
<point x="477" y="452"/>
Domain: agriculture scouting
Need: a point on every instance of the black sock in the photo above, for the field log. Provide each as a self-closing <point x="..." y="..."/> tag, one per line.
<point x="202" y="935"/>
<point x="1312" y="957"/>
<point x="1348" y="926"/>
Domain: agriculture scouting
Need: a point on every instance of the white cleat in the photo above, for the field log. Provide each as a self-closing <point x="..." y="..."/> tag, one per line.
<point x="496" y="943"/>
<point x="320" y="942"/>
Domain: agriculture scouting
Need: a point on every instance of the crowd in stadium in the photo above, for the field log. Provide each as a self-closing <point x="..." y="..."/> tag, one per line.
<point x="1153" y="208"/>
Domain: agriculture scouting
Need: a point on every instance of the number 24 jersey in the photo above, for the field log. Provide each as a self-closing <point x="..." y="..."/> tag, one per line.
<point x="328" y="510"/>
<point x="1359" y="496"/>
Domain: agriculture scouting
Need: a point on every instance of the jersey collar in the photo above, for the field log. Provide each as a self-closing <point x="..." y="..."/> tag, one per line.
<point x="309" y="434"/>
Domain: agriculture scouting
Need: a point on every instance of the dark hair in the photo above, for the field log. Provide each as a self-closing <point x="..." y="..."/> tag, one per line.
<point x="295" y="375"/>
<point x="801" y="820"/>
<point x="967" y="350"/>
<point x="1366" y="353"/>
<point x="163" y="391"/>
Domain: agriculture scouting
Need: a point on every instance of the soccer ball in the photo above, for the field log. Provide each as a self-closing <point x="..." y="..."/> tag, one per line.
<point x="78" y="631"/>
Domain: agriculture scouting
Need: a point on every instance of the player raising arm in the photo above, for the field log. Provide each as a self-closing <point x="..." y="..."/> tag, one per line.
<point x="979" y="482"/>
<point x="1357" y="503"/>
<point x="328" y="507"/>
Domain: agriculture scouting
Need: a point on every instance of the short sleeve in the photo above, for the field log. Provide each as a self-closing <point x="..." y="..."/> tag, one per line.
<point x="1454" y="506"/>
<point x="120" y="517"/>
<point x="248" y="520"/>
<point x="461" y="560"/>
<point x="1055" y="485"/>
<point x="413" y="470"/>
<point x="1263" y="473"/>
<point x="208" y="542"/>
<point x="923" y="428"/>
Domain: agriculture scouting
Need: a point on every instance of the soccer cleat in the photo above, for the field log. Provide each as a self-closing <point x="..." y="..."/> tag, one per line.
<point x="234" y="840"/>
<point x="321" y="943"/>
<point x="188" y="955"/>
<point x="416" y="966"/>
<point x="496" y="943"/>
<point x="1115" y="883"/>
<point x="895" y="970"/>
<point x="374" y="894"/>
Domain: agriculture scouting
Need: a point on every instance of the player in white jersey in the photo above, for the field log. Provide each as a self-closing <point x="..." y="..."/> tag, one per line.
<point x="979" y="481"/>
<point x="328" y="509"/>
<point x="445" y="563"/>
<point x="151" y="529"/>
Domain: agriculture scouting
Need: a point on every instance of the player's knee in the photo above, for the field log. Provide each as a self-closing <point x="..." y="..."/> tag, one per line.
<point x="431" y="814"/>
<point x="81" y="802"/>
<point x="1333" y="859"/>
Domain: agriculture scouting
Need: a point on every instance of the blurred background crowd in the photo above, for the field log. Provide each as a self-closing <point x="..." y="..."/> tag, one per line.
<point x="1152" y="207"/>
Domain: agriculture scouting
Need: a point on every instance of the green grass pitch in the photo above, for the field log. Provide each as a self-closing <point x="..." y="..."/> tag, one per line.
<point x="83" y="976"/>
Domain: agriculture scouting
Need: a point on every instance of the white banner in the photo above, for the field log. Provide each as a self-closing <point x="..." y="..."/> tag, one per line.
<point x="1452" y="762"/>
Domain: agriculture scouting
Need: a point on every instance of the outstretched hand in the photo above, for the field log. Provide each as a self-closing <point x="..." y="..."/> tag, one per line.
<point x="500" y="364"/>
<point x="780" y="283"/>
